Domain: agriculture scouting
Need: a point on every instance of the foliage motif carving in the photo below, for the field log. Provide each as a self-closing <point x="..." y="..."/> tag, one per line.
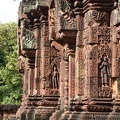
<point x="94" y="35"/>
<point x="94" y="87"/>
<point x="105" y="93"/>
<point x="94" y="16"/>
<point x="92" y="61"/>
<point x="84" y="73"/>
<point x="99" y="35"/>
<point x="29" y="41"/>
<point x="72" y="82"/>
<point x="80" y="73"/>
<point x="66" y="15"/>
<point x="105" y="50"/>
<point x="104" y="35"/>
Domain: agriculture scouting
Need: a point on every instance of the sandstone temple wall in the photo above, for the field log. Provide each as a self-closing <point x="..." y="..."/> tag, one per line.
<point x="69" y="59"/>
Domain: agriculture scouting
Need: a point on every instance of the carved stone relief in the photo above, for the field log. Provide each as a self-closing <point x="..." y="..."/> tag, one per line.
<point x="66" y="15"/>
<point x="52" y="23"/>
<point x="104" y="71"/>
<point x="55" y="77"/>
<point x="29" y="41"/>
<point x="80" y="73"/>
<point x="95" y="18"/>
<point x="76" y="69"/>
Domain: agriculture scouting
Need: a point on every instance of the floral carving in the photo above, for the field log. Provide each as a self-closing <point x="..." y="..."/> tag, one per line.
<point x="29" y="41"/>
<point x="105" y="93"/>
<point x="66" y="15"/>
<point x="94" y="17"/>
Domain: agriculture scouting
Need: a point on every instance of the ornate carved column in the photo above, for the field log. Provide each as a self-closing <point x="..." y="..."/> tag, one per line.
<point x="79" y="58"/>
<point x="71" y="75"/>
<point x="66" y="79"/>
<point x="49" y="57"/>
<point x="66" y="76"/>
<point x="45" y="54"/>
<point x="62" y="83"/>
<point x="97" y="47"/>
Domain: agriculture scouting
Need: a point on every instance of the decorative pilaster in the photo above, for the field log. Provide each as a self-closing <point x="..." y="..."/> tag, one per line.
<point x="31" y="80"/>
<point x="37" y="58"/>
<point x="97" y="46"/>
<point x="71" y="75"/>
<point x="66" y="79"/>
<point x="79" y="57"/>
<point x="45" y="54"/>
<point x="62" y="83"/>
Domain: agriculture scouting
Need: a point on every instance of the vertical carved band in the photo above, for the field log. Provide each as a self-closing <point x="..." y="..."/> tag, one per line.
<point x="66" y="79"/>
<point x="72" y="76"/>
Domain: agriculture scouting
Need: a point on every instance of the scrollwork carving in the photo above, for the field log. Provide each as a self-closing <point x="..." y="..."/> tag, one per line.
<point x="66" y="15"/>
<point x="105" y="49"/>
<point x="105" y="93"/>
<point x="94" y="87"/>
<point x="94" y="17"/>
<point x="29" y="41"/>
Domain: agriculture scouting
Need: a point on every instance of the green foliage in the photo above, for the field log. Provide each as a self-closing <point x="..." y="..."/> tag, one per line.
<point x="10" y="81"/>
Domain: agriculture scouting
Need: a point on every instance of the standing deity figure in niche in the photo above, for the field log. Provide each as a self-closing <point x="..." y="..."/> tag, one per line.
<point x="104" y="70"/>
<point x="55" y="78"/>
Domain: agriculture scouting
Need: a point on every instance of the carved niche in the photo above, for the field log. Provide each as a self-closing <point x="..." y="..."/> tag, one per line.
<point x="54" y="71"/>
<point x="99" y="55"/>
<point x="52" y="79"/>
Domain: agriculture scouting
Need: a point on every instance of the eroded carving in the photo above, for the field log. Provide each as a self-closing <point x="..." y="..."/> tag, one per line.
<point x="78" y="68"/>
<point x="55" y="77"/>
<point x="94" y="17"/>
<point x="105" y="71"/>
<point x="29" y="41"/>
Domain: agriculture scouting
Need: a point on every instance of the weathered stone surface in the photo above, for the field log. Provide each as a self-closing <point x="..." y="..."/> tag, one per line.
<point x="69" y="59"/>
<point x="8" y="112"/>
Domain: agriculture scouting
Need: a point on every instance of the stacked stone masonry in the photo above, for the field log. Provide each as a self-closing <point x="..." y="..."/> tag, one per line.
<point x="69" y="59"/>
